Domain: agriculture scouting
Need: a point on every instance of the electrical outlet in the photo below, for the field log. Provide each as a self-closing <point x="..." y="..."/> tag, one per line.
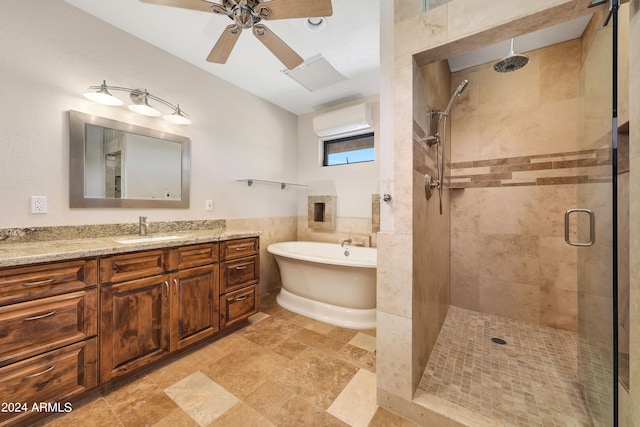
<point x="39" y="204"/>
<point x="208" y="205"/>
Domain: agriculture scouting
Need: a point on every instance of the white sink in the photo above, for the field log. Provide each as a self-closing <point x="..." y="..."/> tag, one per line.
<point x="146" y="239"/>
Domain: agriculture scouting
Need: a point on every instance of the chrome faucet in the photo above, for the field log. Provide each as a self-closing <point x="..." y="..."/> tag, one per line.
<point x="348" y="241"/>
<point x="144" y="225"/>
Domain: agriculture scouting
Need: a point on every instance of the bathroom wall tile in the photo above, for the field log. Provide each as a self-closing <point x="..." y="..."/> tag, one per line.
<point x="559" y="309"/>
<point x="471" y="16"/>
<point x="556" y="200"/>
<point x="394" y="275"/>
<point x="411" y="35"/>
<point x="559" y="69"/>
<point x="405" y="9"/>
<point x="558" y="264"/>
<point x="465" y="138"/>
<point x="394" y="362"/>
<point x="465" y="263"/>
<point x="521" y="216"/>
<point x="511" y="258"/>
<point x="510" y="299"/>
<point x="511" y="132"/>
<point x="559" y="126"/>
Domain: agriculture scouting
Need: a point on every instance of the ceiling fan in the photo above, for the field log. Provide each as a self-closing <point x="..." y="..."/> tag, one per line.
<point x="248" y="14"/>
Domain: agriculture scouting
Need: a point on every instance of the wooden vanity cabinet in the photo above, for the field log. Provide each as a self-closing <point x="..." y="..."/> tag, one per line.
<point x="146" y="318"/>
<point x="239" y="277"/>
<point x="48" y="328"/>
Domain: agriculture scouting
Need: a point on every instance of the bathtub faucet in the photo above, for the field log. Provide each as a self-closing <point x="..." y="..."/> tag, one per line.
<point x="348" y="241"/>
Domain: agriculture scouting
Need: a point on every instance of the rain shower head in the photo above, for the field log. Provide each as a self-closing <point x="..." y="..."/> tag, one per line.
<point x="461" y="87"/>
<point x="512" y="62"/>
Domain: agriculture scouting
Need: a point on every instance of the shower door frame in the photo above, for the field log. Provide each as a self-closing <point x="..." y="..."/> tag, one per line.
<point x="605" y="249"/>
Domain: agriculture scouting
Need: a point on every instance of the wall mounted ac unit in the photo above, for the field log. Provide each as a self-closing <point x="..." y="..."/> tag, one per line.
<point x="345" y="120"/>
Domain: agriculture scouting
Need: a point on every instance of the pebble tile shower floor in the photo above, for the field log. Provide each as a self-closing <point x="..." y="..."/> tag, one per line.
<point x="530" y="381"/>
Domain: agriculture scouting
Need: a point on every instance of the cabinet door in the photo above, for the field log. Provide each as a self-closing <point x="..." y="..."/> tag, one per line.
<point x="134" y="328"/>
<point x="194" y="312"/>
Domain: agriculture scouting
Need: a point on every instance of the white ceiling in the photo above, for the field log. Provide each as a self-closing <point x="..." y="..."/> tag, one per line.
<point x="351" y="43"/>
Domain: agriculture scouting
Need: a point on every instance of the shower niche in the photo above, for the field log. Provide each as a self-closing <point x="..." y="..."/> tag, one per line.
<point x="322" y="212"/>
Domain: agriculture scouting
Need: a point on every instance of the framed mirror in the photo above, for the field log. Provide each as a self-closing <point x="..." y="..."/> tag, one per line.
<point x="119" y="165"/>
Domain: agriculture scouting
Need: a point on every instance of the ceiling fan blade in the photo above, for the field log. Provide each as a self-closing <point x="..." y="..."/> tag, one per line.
<point x="200" y="5"/>
<point x="221" y="51"/>
<point x="280" y="49"/>
<point x="284" y="9"/>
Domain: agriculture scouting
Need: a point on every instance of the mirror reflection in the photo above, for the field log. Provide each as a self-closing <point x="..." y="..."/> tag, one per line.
<point x="115" y="164"/>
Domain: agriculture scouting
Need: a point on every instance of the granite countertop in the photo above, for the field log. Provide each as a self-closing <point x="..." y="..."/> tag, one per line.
<point x="15" y="254"/>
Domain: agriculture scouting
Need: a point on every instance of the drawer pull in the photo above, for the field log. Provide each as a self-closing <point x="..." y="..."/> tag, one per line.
<point x="166" y="285"/>
<point x="241" y="248"/>
<point x="49" y="369"/>
<point x="242" y="298"/>
<point x="42" y="316"/>
<point x="41" y="282"/>
<point x="241" y="267"/>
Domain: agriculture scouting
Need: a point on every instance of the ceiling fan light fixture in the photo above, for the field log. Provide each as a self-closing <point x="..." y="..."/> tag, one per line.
<point x="178" y="117"/>
<point x="141" y="104"/>
<point x="101" y="95"/>
<point x="315" y="24"/>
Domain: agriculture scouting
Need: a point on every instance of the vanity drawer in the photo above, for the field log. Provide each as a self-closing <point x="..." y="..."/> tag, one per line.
<point x="120" y="268"/>
<point x="193" y="256"/>
<point x="53" y="376"/>
<point x="25" y="283"/>
<point x="37" y="326"/>
<point x="237" y="306"/>
<point x="239" y="273"/>
<point x="239" y="248"/>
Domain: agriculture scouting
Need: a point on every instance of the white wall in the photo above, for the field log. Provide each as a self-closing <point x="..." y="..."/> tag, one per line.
<point x="50" y="52"/>
<point x="353" y="184"/>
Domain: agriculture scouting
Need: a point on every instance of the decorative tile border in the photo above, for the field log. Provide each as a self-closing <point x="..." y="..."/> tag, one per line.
<point x="573" y="167"/>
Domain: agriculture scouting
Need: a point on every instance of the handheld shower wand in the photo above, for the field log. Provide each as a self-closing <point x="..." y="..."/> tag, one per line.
<point x="440" y="141"/>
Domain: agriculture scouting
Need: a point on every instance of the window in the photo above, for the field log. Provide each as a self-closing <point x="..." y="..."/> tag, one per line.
<point x="350" y="149"/>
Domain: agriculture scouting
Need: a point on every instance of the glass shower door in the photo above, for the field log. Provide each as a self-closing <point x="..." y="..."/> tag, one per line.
<point x="593" y="226"/>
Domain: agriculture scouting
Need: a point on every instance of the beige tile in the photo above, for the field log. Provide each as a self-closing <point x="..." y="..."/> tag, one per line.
<point x="341" y="334"/>
<point x="269" y="332"/>
<point x="241" y="415"/>
<point x="298" y="412"/>
<point x="559" y="309"/>
<point x="384" y="418"/>
<point x="177" y="417"/>
<point x="317" y="341"/>
<point x="358" y="357"/>
<point x="558" y="264"/>
<point x="94" y="411"/>
<point x="289" y="348"/>
<point x="139" y="401"/>
<point x="363" y="341"/>
<point x="511" y="258"/>
<point x="315" y="376"/>
<point x="244" y="369"/>
<point x="268" y="398"/>
<point x="394" y="363"/>
<point x="356" y="404"/>
<point x="510" y="299"/>
<point x="200" y="397"/>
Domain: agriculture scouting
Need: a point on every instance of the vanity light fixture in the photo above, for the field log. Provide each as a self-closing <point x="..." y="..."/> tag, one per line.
<point x="140" y="102"/>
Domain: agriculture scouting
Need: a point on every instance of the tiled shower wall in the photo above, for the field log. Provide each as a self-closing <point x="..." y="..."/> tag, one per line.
<point x="514" y="174"/>
<point x="431" y="231"/>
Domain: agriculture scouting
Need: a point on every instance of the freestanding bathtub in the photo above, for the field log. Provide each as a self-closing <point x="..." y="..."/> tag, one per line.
<point x="321" y="282"/>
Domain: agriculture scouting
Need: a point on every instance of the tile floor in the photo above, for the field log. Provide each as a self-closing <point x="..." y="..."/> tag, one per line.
<point x="530" y="381"/>
<point x="282" y="370"/>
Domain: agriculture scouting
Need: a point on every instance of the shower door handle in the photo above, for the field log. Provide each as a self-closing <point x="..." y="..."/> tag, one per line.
<point x="592" y="227"/>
